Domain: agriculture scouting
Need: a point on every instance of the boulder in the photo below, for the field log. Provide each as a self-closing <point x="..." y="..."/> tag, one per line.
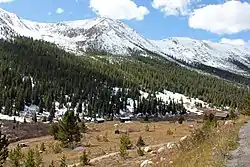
<point x="153" y="153"/>
<point x="162" y="159"/>
<point x="170" y="145"/>
<point x="191" y="126"/>
<point x="148" y="149"/>
<point x="229" y="122"/>
<point x="147" y="163"/>
<point x="183" y="138"/>
<point x="161" y="150"/>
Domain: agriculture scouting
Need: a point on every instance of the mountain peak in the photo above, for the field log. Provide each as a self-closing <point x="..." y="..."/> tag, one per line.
<point x="112" y="36"/>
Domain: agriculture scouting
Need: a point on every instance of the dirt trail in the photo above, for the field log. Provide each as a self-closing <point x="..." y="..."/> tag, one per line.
<point x="241" y="156"/>
<point x="31" y="140"/>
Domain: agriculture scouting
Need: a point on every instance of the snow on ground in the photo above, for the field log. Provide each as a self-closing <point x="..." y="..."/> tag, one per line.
<point x="189" y="103"/>
<point x="166" y="96"/>
<point x="11" y="118"/>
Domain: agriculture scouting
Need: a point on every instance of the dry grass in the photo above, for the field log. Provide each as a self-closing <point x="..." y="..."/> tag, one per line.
<point x="211" y="152"/>
<point x="109" y="143"/>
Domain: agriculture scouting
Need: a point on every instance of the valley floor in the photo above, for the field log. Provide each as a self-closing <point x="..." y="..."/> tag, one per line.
<point x="106" y="153"/>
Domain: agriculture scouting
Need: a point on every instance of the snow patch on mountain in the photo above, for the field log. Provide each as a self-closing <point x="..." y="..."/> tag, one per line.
<point x="114" y="37"/>
<point x="216" y="55"/>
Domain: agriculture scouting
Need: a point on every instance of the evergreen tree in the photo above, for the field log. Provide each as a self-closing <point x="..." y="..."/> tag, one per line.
<point x="84" y="160"/>
<point x="3" y="148"/>
<point x="16" y="156"/>
<point x="140" y="142"/>
<point x="34" y="118"/>
<point x="27" y="90"/>
<point x="63" y="161"/>
<point x="246" y="106"/>
<point x="69" y="131"/>
<point x="52" y="164"/>
<point x="41" y="106"/>
<point x="8" y="107"/>
<point x="19" y="102"/>
<point x="38" y="159"/>
<point x="30" y="159"/>
<point x="79" y="107"/>
<point x="52" y="112"/>
<point x="53" y="130"/>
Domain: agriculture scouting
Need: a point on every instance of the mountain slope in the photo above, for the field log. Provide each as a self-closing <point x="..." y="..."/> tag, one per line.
<point x="36" y="72"/>
<point x="107" y="36"/>
<point x="231" y="58"/>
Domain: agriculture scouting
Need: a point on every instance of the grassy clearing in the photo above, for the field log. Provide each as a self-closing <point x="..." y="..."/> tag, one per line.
<point x="101" y="139"/>
<point x="206" y="150"/>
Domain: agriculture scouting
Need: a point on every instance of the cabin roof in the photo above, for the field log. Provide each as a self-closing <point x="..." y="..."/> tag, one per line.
<point x="100" y="119"/>
<point x="125" y="118"/>
<point x="221" y="114"/>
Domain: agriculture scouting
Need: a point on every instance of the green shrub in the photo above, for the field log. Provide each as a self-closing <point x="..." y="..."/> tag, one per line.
<point x="56" y="148"/>
<point x="125" y="141"/>
<point x="84" y="160"/>
<point x="16" y="156"/>
<point x="140" y="152"/>
<point x="170" y="132"/>
<point x="123" y="151"/>
<point x="140" y="142"/>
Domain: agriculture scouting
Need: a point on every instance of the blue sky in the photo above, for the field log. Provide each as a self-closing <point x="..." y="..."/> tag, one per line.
<point x="156" y="19"/>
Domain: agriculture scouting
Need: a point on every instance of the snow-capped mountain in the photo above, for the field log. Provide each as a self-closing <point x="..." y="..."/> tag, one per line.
<point x="114" y="37"/>
<point x="235" y="59"/>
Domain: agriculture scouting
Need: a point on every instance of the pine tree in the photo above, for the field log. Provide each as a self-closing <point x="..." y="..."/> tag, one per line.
<point x="52" y="112"/>
<point x="19" y="102"/>
<point x="42" y="147"/>
<point x="8" y="107"/>
<point x="41" y="106"/>
<point x="38" y="158"/>
<point x="84" y="160"/>
<point x="3" y="148"/>
<point x="28" y="90"/>
<point x="246" y="106"/>
<point x="79" y="107"/>
<point x="30" y="159"/>
<point x="140" y="152"/>
<point x="53" y="130"/>
<point x="34" y="118"/>
<point x="52" y="164"/>
<point x="16" y="156"/>
<point x="63" y="161"/>
<point x="140" y="142"/>
<point x="69" y="131"/>
<point x="83" y="127"/>
<point x="125" y="141"/>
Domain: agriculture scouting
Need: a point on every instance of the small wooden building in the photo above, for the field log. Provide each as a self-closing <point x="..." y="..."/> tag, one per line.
<point x="221" y="115"/>
<point x="100" y="120"/>
<point x="124" y="119"/>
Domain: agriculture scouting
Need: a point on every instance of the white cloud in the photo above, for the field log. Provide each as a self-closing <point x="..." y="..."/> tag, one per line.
<point x="49" y="13"/>
<point x="174" y="7"/>
<point x="118" y="9"/>
<point x="227" y="18"/>
<point x="59" y="10"/>
<point x="233" y="41"/>
<point x="6" y="1"/>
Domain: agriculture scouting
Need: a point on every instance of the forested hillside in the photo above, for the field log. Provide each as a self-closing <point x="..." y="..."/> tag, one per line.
<point x="37" y="72"/>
